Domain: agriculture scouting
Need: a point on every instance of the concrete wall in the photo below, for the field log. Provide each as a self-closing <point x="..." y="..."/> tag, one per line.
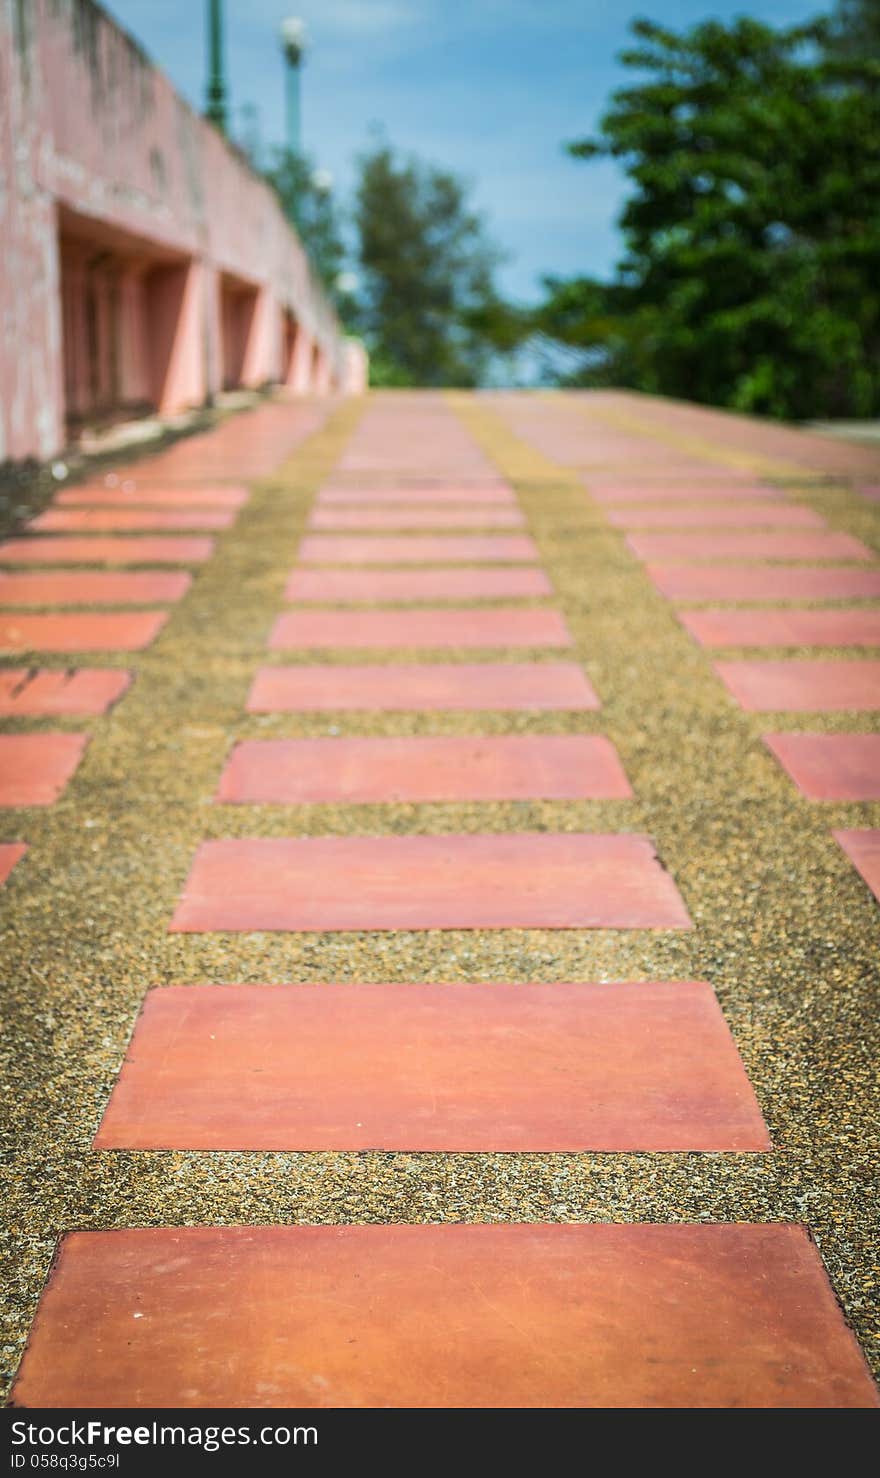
<point x="142" y="263"/>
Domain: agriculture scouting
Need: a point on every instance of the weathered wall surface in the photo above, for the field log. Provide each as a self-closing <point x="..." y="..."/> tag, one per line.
<point x="143" y="262"/>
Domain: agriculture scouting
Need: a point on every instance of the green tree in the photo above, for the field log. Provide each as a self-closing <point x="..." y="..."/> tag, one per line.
<point x="855" y="29"/>
<point x="307" y="199"/>
<point x="428" y="306"/>
<point x="751" y="276"/>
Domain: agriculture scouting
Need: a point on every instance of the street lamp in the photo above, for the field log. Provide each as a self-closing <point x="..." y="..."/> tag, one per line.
<point x="215" y="93"/>
<point x="293" y="43"/>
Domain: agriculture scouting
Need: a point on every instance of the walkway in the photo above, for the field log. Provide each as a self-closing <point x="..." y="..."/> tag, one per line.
<point x="471" y="805"/>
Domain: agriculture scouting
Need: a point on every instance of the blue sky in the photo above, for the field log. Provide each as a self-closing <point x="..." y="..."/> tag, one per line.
<point x="489" y="88"/>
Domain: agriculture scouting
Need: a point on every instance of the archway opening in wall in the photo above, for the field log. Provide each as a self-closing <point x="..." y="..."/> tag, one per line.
<point x="238" y="316"/>
<point x="91" y="326"/>
<point x="129" y="338"/>
<point x="290" y="345"/>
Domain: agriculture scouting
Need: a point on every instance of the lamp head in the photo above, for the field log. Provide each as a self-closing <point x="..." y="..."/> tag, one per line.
<point x="293" y="39"/>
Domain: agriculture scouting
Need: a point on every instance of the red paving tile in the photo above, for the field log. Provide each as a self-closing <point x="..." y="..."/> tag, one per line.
<point x="505" y="767"/>
<point x="365" y="497"/>
<point x="434" y="687"/>
<point x="10" y="853"/>
<point x="770" y="545"/>
<point x="128" y="520"/>
<point x="590" y="1316"/>
<point x="806" y="453"/>
<point x="328" y="549"/>
<point x="92" y="587"/>
<point x="830" y="767"/>
<point x="34" y="768"/>
<point x="627" y="465"/>
<point x="109" y="551"/>
<point x="457" y="582"/>
<point x="81" y="631"/>
<point x="763" y="582"/>
<point x="133" y="496"/>
<point x="760" y="513"/>
<point x="684" y="490"/>
<point x="31" y="693"/>
<point x="791" y="628"/>
<point x="863" y="850"/>
<point x="517" y="881"/>
<point x="416" y="518"/>
<point x="515" y="1068"/>
<point x="798" y="686"/>
<point x="516" y="626"/>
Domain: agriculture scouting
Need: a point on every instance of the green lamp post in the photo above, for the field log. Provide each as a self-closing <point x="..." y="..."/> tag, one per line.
<point x="293" y="42"/>
<point x="215" y="93"/>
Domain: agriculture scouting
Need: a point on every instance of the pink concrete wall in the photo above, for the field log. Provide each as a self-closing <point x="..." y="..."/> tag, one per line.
<point x="322" y="370"/>
<point x="31" y="388"/>
<point x="299" y="363"/>
<point x="356" y="368"/>
<point x="103" y="167"/>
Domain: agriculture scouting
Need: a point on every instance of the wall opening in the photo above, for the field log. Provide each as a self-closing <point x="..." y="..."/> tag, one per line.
<point x="289" y="332"/>
<point x="165" y="292"/>
<point x="238" y="315"/>
<point x="126" y="323"/>
<point x="322" y="371"/>
<point x="298" y="354"/>
<point x="92" y="332"/>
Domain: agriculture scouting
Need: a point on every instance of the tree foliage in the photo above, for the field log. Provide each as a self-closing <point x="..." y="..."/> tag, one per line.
<point x="751" y="275"/>
<point x="855" y="29"/>
<point x="308" y="202"/>
<point x="428" y="306"/>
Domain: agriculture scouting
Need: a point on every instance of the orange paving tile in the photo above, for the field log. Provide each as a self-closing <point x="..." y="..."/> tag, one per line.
<point x="31" y="693"/>
<point x="35" y="768"/>
<point x="128" y="520"/>
<point x="758" y="513"/>
<point x="80" y="631"/>
<point x="151" y="497"/>
<point x="516" y="626"/>
<point x="456" y="582"/>
<point x="10" y="854"/>
<point x="769" y="545"/>
<point x="331" y="496"/>
<point x="863" y="850"/>
<point x="830" y="767"/>
<point x="799" y="686"/>
<point x="519" y="1068"/>
<point x="416" y="518"/>
<point x="791" y="628"/>
<point x="503" y="767"/>
<point x="763" y="582"/>
<point x="517" y="881"/>
<point x="591" y="1316"/>
<point x="92" y="587"/>
<point x="110" y="551"/>
<point x="328" y="549"/>
<point x="406" y="688"/>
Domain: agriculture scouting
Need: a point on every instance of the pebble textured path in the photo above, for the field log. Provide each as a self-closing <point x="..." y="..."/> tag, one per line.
<point x="443" y="913"/>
